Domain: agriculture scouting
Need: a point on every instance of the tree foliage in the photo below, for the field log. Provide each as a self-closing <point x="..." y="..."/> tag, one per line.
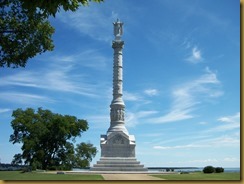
<point x="17" y="160"/>
<point x="209" y="169"/>
<point x="22" y="36"/>
<point x="219" y="169"/>
<point x="25" y="30"/>
<point x="47" y="138"/>
<point x="51" y="7"/>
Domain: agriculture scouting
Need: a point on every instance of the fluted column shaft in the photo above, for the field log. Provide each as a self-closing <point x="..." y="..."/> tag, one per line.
<point x="117" y="106"/>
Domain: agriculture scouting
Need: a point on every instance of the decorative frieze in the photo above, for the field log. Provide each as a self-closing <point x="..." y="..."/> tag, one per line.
<point x="117" y="114"/>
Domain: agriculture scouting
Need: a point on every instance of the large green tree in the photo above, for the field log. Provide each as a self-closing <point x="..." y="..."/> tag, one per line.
<point x="22" y="37"/>
<point x="25" y="30"/>
<point x="47" y="139"/>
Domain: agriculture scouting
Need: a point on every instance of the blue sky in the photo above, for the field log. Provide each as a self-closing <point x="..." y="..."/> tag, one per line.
<point x="181" y="79"/>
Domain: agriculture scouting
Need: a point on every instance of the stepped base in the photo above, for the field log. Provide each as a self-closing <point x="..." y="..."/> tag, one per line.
<point x="118" y="164"/>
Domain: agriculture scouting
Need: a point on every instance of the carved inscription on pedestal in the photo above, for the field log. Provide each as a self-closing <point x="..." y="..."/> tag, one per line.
<point x="118" y="140"/>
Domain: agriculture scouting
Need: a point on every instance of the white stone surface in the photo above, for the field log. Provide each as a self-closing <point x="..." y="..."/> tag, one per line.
<point x="117" y="146"/>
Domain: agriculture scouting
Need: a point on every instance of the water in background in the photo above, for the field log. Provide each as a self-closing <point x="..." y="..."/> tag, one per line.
<point x="175" y="170"/>
<point x="193" y="170"/>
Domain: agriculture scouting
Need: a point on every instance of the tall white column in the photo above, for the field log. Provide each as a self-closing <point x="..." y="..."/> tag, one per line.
<point x="117" y="107"/>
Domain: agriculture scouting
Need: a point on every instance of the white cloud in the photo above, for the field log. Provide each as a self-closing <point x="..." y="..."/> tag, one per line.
<point x="235" y="119"/>
<point x="54" y="80"/>
<point x="231" y="159"/>
<point x="220" y="142"/>
<point x="230" y="123"/>
<point x="98" y="118"/>
<point x="90" y="58"/>
<point x="132" y="119"/>
<point x="4" y="110"/>
<point x="151" y="92"/>
<point x="228" y="162"/>
<point x="91" y="21"/>
<point x="24" y="98"/>
<point x="152" y="135"/>
<point x="209" y="160"/>
<point x="61" y="77"/>
<point x="131" y="96"/>
<point x="179" y="147"/>
<point x="187" y="96"/>
<point x="196" y="56"/>
<point x="203" y="123"/>
<point x="175" y="115"/>
<point x="226" y="141"/>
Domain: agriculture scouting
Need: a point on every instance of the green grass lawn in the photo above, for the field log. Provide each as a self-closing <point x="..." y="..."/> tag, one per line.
<point x="17" y="175"/>
<point x="200" y="176"/>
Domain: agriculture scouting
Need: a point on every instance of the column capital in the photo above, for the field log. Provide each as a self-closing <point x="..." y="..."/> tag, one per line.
<point x="118" y="44"/>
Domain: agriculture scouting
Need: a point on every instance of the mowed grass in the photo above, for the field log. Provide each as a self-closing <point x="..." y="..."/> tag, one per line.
<point x="201" y="176"/>
<point x="17" y="175"/>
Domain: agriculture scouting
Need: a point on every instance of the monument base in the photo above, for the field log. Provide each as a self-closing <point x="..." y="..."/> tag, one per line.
<point x="118" y="164"/>
<point x="118" y="153"/>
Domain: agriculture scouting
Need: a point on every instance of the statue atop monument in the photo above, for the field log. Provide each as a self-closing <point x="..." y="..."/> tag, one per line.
<point x="118" y="29"/>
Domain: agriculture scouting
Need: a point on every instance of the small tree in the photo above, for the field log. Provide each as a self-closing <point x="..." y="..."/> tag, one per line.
<point x="219" y="169"/>
<point x="209" y="169"/>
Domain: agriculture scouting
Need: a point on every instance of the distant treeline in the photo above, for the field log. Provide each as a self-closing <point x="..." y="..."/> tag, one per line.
<point x="11" y="167"/>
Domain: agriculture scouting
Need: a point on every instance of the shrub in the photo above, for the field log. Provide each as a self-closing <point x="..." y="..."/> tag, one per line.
<point x="26" y="169"/>
<point x="184" y="172"/>
<point x="209" y="169"/>
<point x="219" y="169"/>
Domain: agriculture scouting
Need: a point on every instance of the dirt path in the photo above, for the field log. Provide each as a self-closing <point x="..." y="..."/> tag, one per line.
<point x="129" y="177"/>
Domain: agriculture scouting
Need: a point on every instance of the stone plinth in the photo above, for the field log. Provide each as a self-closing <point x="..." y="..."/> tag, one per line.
<point x="118" y="164"/>
<point x="117" y="144"/>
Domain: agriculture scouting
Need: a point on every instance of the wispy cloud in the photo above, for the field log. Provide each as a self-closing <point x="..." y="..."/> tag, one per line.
<point x="186" y="97"/>
<point x="24" y="98"/>
<point x="91" y="21"/>
<point x="89" y="58"/>
<point x="198" y="161"/>
<point x="222" y="141"/>
<point x="52" y="80"/>
<point x="203" y="123"/>
<point x="153" y="135"/>
<point x="4" y="110"/>
<point x="179" y="147"/>
<point x="235" y="119"/>
<point x="231" y="159"/>
<point x="132" y="119"/>
<point x="229" y="123"/>
<point x="195" y="56"/>
<point x="127" y="96"/>
<point x="59" y="77"/>
<point x="151" y="92"/>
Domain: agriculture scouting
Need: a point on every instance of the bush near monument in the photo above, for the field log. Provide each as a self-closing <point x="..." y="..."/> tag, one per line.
<point x="47" y="138"/>
<point x="219" y="169"/>
<point x="211" y="169"/>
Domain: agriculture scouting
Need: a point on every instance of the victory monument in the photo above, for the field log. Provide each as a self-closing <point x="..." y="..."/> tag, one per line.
<point x="117" y="146"/>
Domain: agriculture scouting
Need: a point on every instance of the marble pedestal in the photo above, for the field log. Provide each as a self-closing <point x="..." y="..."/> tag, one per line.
<point x="118" y="153"/>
